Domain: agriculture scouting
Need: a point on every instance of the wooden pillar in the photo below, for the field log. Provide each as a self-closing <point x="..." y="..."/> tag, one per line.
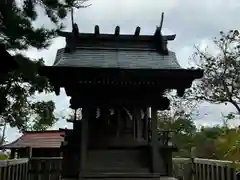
<point x="154" y="141"/>
<point x="12" y="155"/>
<point x="84" y="139"/>
<point x="118" y="114"/>
<point x="149" y="125"/>
<point x="138" y="125"/>
<point x="146" y="124"/>
<point x="134" y="124"/>
<point x="29" y="150"/>
<point x="157" y="161"/>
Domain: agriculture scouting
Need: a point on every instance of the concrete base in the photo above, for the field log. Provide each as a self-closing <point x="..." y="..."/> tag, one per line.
<point x="161" y="178"/>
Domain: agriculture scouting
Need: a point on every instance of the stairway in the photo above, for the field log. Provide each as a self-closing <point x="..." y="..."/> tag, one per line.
<point x="116" y="161"/>
<point x="120" y="164"/>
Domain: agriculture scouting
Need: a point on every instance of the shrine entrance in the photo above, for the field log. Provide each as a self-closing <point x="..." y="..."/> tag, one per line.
<point x="117" y="127"/>
<point x="116" y="142"/>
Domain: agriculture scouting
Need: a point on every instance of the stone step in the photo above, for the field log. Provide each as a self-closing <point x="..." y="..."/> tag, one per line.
<point x="126" y="176"/>
<point x="121" y="175"/>
<point x="116" y="158"/>
<point x="113" y="163"/>
<point x="117" y="170"/>
<point x="132" y="178"/>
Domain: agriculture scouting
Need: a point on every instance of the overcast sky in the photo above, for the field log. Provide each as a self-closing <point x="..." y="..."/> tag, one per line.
<point x="194" y="22"/>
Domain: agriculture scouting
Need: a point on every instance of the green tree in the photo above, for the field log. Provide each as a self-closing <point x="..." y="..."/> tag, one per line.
<point x="204" y="141"/>
<point x="179" y="116"/>
<point x="221" y="81"/>
<point x="18" y="106"/>
<point x="179" y="120"/>
<point x="228" y="145"/>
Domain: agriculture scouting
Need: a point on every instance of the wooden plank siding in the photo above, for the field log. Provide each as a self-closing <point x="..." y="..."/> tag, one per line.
<point x="49" y="168"/>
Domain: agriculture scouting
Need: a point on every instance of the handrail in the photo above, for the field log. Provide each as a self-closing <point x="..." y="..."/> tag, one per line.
<point x="181" y="160"/>
<point x="46" y="158"/>
<point x="4" y="163"/>
<point x="206" y="161"/>
<point x="203" y="169"/>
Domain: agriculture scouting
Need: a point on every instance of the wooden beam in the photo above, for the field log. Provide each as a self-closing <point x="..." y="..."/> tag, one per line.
<point x="170" y="37"/>
<point x="158" y="165"/>
<point x="139" y="124"/>
<point x="137" y="31"/>
<point x="157" y="32"/>
<point x="84" y="138"/>
<point x="161" y="22"/>
<point x="75" y="30"/>
<point x="96" y="30"/>
<point x="118" y="112"/>
<point x="146" y="118"/>
<point x="87" y="36"/>
<point x="117" y="31"/>
<point x="135" y="130"/>
<point x="154" y="141"/>
<point x="108" y="97"/>
<point x="29" y="152"/>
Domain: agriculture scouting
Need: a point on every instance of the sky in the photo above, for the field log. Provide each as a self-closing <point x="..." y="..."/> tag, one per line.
<point x="194" y="22"/>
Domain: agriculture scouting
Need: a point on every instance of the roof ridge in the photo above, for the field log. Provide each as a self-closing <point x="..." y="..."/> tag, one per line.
<point x="47" y="131"/>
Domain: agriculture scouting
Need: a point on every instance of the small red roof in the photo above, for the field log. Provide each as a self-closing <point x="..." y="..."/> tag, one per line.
<point x="37" y="139"/>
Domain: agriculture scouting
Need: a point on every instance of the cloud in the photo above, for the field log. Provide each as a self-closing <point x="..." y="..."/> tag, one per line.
<point x="47" y="54"/>
<point x="194" y="22"/>
<point x="212" y="114"/>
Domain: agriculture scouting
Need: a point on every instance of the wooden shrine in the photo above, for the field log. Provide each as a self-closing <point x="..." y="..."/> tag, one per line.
<point x="115" y="79"/>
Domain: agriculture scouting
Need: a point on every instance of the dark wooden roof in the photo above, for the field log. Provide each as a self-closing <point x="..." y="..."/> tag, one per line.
<point x="121" y="51"/>
<point x="96" y="50"/>
<point x="116" y="50"/>
<point x="116" y="58"/>
<point x="95" y="59"/>
<point x="37" y="139"/>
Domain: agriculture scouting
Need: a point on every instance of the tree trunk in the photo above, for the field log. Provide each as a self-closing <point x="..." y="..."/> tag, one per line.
<point x="3" y="134"/>
<point x="235" y="104"/>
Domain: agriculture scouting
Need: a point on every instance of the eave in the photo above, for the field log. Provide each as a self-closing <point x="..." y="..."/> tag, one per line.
<point x="162" y="78"/>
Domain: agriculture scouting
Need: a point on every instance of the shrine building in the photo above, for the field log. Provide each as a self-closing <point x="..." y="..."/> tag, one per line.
<point x="116" y="79"/>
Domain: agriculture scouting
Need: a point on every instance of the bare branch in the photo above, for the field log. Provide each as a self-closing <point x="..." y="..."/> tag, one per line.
<point x="221" y="71"/>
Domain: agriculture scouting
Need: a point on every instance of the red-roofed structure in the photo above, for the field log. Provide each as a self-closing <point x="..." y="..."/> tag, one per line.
<point x="40" y="144"/>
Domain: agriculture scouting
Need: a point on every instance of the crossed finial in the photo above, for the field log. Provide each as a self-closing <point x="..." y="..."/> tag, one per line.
<point x="161" y="22"/>
<point x="159" y="28"/>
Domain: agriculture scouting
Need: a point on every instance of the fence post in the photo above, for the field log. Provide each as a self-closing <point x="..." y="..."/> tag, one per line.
<point x="190" y="171"/>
